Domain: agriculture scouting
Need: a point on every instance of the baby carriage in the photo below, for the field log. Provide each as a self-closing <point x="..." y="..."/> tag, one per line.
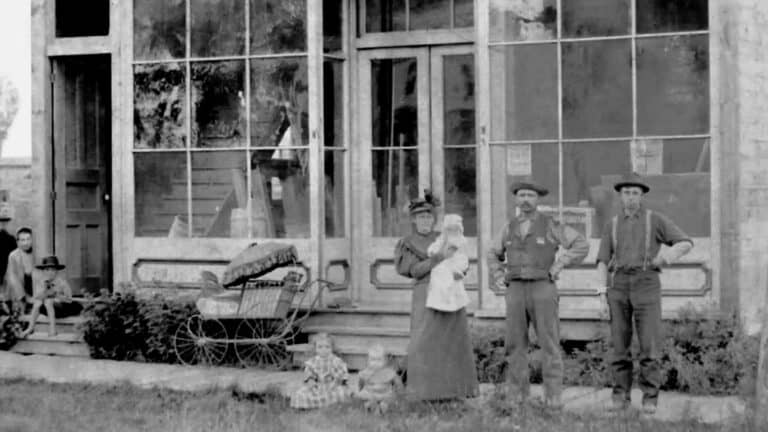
<point x="262" y="315"/>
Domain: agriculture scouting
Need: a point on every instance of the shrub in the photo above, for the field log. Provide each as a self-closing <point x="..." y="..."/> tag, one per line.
<point x="162" y="319"/>
<point x="10" y="326"/>
<point x="700" y="355"/>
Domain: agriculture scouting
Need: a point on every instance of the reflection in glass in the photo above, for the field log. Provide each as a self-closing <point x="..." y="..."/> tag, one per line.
<point x="160" y="185"/>
<point x="218" y="110"/>
<point x="333" y="108"/>
<point x="459" y="99"/>
<point x="658" y="16"/>
<point x="463" y="13"/>
<point x="278" y="26"/>
<point x="394" y="102"/>
<point x="597" y="89"/>
<point x="279" y="102"/>
<point x="159" y="106"/>
<point x="219" y="194"/>
<point x="384" y="16"/>
<point x="429" y="14"/>
<point x="334" y="193"/>
<point x="589" y="18"/>
<point x="158" y="29"/>
<point x="588" y="195"/>
<point x="524" y="92"/>
<point x="461" y="186"/>
<point x="332" y="22"/>
<point x="673" y="85"/>
<point x="522" y="20"/>
<point x="686" y="155"/>
<point x="218" y="27"/>
<point x="512" y="163"/>
<point x="396" y="180"/>
<point x="280" y="194"/>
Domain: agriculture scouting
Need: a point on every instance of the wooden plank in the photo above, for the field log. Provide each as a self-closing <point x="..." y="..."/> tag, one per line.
<point x="79" y="46"/>
<point x="412" y="38"/>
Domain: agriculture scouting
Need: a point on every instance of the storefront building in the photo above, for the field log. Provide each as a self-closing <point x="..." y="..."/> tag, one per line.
<point x="168" y="135"/>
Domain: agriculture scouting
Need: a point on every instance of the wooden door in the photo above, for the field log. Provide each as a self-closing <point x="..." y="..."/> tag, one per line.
<point x="81" y="155"/>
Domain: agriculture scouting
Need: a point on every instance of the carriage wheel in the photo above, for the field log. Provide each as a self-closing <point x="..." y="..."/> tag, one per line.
<point x="272" y="354"/>
<point x="200" y="341"/>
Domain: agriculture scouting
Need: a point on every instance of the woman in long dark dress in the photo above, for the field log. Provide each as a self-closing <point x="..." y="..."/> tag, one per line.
<point x="441" y="364"/>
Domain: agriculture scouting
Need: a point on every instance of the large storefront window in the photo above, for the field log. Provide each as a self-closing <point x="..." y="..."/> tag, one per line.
<point x="596" y="90"/>
<point x="221" y="119"/>
<point x="381" y="16"/>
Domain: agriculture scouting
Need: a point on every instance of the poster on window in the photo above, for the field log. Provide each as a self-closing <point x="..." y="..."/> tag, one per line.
<point x="519" y="160"/>
<point x="647" y="156"/>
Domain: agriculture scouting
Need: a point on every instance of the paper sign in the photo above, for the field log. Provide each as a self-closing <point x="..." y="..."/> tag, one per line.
<point x="647" y="156"/>
<point x="519" y="160"/>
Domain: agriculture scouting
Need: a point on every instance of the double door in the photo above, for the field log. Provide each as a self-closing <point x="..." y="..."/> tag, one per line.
<point x="416" y="129"/>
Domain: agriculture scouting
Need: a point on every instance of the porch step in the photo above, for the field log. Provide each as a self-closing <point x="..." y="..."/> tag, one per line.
<point x="63" y="325"/>
<point x="356" y="358"/>
<point x="63" y="344"/>
<point x="361" y="317"/>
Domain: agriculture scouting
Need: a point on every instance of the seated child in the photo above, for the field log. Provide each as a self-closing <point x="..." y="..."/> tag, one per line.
<point x="446" y="287"/>
<point x="53" y="295"/>
<point x="325" y="381"/>
<point x="378" y="383"/>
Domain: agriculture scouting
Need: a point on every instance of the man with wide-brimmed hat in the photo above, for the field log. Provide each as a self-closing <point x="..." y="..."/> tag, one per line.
<point x="53" y="293"/>
<point x="629" y="262"/>
<point x="523" y="260"/>
<point x="7" y="245"/>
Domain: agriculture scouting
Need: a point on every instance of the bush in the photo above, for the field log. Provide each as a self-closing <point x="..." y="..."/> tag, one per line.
<point x="123" y="327"/>
<point x="700" y="355"/>
<point x="10" y="326"/>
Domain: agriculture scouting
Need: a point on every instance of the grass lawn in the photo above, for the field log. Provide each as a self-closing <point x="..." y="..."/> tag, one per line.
<point x="36" y="406"/>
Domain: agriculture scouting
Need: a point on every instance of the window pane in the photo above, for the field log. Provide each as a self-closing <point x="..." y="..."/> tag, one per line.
<point x="686" y="155"/>
<point x="218" y="191"/>
<point x="588" y="18"/>
<point x="218" y="110"/>
<point x="395" y="102"/>
<point x="384" y="15"/>
<point x="160" y="181"/>
<point x="158" y="29"/>
<point x="430" y="14"/>
<point x="278" y="26"/>
<point x="597" y="89"/>
<point x="279" y="102"/>
<point x="459" y="99"/>
<point x="657" y="16"/>
<point x="520" y="20"/>
<point x="159" y="106"/>
<point x="218" y="27"/>
<point x="333" y="94"/>
<point x="396" y="180"/>
<point x="461" y="186"/>
<point x="588" y="195"/>
<point x="511" y="163"/>
<point x="332" y="22"/>
<point x="72" y="22"/>
<point x="524" y="92"/>
<point x="684" y="190"/>
<point x="463" y="13"/>
<point x="673" y="85"/>
<point x="280" y="192"/>
<point x="334" y="193"/>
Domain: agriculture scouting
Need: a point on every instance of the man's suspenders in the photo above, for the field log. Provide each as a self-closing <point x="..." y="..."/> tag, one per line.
<point x="614" y="239"/>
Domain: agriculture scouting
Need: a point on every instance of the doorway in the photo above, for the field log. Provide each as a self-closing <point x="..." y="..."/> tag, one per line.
<point x="417" y="132"/>
<point x="81" y="149"/>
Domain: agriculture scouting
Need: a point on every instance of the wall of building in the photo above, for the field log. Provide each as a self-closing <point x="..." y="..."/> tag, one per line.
<point x="16" y="181"/>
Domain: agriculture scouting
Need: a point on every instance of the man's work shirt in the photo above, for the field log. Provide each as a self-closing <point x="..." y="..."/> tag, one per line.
<point x="630" y="253"/>
<point x="574" y="244"/>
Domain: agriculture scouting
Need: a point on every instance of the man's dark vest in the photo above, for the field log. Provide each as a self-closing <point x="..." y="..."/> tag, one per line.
<point x="529" y="258"/>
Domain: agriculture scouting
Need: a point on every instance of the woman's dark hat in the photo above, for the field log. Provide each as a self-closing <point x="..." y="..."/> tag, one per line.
<point x="631" y="180"/>
<point x="50" y="262"/>
<point x="529" y="184"/>
<point x="427" y="204"/>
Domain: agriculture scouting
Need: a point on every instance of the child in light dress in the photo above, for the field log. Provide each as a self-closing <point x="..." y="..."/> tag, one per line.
<point x="325" y="378"/>
<point x="378" y="382"/>
<point x="446" y="286"/>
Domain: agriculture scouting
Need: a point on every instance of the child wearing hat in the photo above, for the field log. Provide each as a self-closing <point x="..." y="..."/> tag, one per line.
<point x="53" y="293"/>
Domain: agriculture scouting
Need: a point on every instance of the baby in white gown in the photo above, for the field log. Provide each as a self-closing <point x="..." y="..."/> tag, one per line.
<point x="446" y="285"/>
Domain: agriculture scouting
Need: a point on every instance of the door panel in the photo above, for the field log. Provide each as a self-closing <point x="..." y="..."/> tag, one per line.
<point x="81" y="150"/>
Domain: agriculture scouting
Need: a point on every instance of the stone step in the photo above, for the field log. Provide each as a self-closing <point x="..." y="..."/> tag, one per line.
<point x="63" y="325"/>
<point x="63" y="344"/>
<point x="355" y="358"/>
<point x="353" y="339"/>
